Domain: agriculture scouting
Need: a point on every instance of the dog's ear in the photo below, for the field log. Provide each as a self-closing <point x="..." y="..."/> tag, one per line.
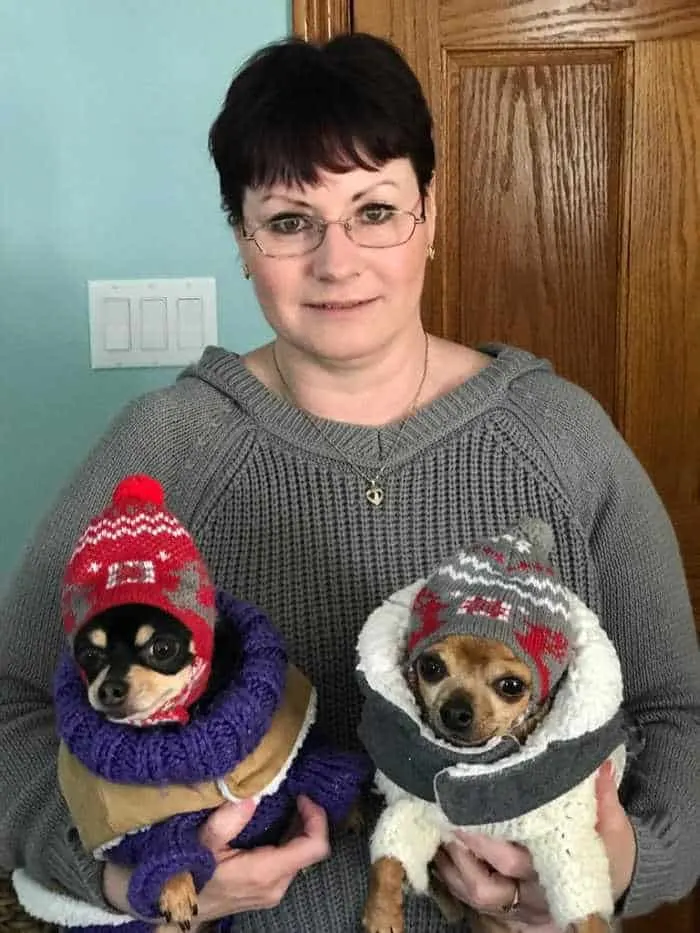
<point x="411" y="677"/>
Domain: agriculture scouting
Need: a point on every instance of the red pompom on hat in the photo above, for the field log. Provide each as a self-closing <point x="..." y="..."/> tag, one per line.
<point x="139" y="488"/>
<point x="135" y="551"/>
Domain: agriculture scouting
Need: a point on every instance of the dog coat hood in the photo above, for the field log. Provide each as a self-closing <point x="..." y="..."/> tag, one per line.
<point x="500" y="780"/>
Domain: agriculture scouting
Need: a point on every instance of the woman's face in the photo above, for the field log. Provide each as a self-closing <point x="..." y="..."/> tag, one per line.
<point x="342" y="300"/>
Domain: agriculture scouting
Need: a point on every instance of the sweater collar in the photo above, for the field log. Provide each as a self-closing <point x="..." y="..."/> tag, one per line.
<point x="226" y="372"/>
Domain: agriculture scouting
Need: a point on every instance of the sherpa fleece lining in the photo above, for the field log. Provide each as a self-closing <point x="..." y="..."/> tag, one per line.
<point x="584" y="714"/>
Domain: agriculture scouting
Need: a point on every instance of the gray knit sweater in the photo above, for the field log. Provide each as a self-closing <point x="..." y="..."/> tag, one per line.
<point x="283" y="522"/>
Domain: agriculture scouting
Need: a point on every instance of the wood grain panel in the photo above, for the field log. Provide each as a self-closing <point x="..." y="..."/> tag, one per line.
<point x="663" y="340"/>
<point x="473" y="23"/>
<point x="664" y="349"/>
<point x="319" y="20"/>
<point x="535" y="152"/>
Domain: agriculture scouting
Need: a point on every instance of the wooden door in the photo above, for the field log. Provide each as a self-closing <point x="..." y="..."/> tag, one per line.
<point x="569" y="210"/>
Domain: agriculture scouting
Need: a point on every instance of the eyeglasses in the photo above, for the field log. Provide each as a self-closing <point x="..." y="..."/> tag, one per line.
<point x="376" y="226"/>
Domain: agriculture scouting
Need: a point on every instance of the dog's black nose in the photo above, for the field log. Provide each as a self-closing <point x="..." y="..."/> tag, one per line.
<point x="457" y="713"/>
<point x="112" y="692"/>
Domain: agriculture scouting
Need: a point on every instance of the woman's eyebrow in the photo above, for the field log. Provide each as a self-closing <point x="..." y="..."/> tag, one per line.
<point x="297" y="202"/>
<point x="378" y="184"/>
<point x="276" y="196"/>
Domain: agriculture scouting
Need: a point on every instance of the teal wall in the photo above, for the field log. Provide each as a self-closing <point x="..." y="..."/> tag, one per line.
<point x="105" y="107"/>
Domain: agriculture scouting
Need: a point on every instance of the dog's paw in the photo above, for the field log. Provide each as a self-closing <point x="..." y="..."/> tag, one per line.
<point x="383" y="915"/>
<point x="592" y="924"/>
<point x="178" y="900"/>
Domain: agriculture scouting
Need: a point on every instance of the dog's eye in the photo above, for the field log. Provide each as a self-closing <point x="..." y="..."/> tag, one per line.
<point x="510" y="687"/>
<point x="89" y="658"/>
<point x="431" y="668"/>
<point x="163" y="649"/>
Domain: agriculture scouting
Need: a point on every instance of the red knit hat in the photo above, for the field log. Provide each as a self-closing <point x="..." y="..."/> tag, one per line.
<point x="135" y="551"/>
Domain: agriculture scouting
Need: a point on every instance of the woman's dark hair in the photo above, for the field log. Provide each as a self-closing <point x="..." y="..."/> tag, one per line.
<point x="295" y="108"/>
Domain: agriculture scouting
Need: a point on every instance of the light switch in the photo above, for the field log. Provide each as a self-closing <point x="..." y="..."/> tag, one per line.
<point x="151" y="322"/>
<point x="154" y="324"/>
<point x="190" y="323"/>
<point x="117" y="324"/>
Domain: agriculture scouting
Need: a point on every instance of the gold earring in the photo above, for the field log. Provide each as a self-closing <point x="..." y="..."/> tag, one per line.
<point x="431" y="252"/>
<point x="245" y="270"/>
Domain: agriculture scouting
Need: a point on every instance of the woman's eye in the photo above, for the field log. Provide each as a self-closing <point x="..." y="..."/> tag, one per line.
<point x="431" y="668"/>
<point x="163" y="649"/>
<point x="376" y="213"/>
<point x="289" y="224"/>
<point x="510" y="687"/>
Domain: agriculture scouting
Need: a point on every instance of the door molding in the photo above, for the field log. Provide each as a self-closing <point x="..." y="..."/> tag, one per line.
<point x="320" y="20"/>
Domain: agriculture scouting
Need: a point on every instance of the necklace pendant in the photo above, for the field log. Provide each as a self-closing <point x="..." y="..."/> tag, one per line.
<point x="374" y="493"/>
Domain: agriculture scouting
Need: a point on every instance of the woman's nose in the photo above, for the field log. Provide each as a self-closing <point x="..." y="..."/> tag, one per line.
<point x="337" y="257"/>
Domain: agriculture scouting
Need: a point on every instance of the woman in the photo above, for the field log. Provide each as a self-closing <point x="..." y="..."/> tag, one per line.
<point x="341" y="461"/>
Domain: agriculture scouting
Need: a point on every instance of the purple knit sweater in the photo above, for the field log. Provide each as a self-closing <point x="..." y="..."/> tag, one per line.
<point x="210" y="746"/>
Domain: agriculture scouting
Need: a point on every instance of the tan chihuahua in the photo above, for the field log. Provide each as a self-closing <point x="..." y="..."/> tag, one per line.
<point x="469" y="690"/>
<point x="484" y="650"/>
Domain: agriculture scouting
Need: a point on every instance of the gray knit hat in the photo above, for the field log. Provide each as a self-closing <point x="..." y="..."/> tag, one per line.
<point x="503" y="588"/>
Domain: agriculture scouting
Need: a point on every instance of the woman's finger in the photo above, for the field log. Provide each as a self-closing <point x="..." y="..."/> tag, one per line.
<point x="257" y="878"/>
<point x="471" y="881"/>
<point x="616" y="831"/>
<point x="475" y="882"/>
<point x="507" y="858"/>
<point x="224" y="824"/>
<point x="310" y="843"/>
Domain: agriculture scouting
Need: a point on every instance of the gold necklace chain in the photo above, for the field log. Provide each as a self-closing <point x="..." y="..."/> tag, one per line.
<point x="374" y="493"/>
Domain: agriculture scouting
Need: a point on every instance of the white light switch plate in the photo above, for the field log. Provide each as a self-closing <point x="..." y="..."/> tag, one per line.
<point x="151" y="322"/>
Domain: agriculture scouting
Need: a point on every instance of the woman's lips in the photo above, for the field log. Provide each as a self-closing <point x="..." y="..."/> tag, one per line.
<point x="339" y="305"/>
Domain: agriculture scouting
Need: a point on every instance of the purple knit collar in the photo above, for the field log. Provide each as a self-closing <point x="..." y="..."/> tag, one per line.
<point x="211" y="745"/>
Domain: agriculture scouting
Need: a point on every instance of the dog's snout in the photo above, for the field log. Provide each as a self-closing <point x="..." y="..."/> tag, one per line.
<point x="457" y="713"/>
<point x="112" y="692"/>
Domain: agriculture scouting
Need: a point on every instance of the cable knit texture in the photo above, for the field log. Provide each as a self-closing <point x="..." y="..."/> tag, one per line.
<point x="212" y="744"/>
<point x="282" y="521"/>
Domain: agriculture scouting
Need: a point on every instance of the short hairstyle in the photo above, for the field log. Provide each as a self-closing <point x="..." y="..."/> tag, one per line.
<point x="296" y="108"/>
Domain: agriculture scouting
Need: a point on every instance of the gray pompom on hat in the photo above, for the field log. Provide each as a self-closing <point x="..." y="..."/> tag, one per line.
<point x="504" y="588"/>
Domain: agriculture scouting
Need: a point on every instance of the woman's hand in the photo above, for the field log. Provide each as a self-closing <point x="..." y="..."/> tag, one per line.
<point x="243" y="880"/>
<point x="259" y="878"/>
<point x="483" y="872"/>
<point x="616" y="831"/>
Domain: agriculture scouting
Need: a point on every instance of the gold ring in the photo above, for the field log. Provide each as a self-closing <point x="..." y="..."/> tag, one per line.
<point x="516" y="898"/>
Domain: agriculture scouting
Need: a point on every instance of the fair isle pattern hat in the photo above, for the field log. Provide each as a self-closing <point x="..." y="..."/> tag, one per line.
<point x="503" y="588"/>
<point x="135" y="551"/>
